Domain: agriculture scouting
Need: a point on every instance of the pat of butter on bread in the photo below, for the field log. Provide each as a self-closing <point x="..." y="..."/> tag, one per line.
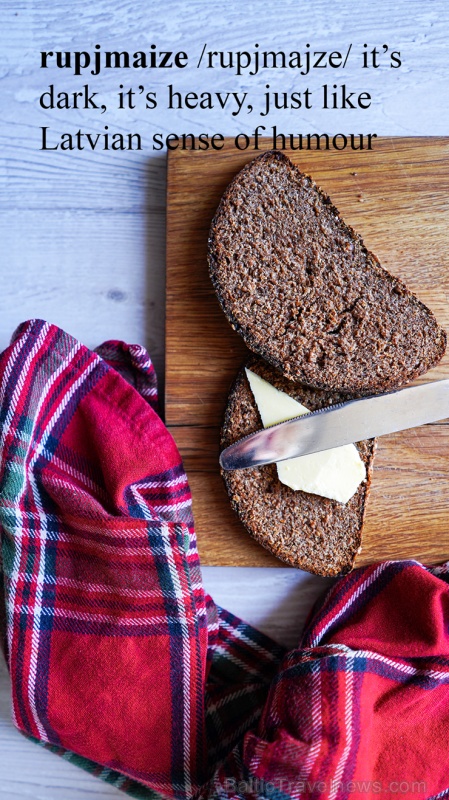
<point x="335" y="473"/>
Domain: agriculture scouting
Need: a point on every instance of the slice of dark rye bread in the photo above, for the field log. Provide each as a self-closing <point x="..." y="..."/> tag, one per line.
<point x="304" y="530"/>
<point x="304" y="292"/>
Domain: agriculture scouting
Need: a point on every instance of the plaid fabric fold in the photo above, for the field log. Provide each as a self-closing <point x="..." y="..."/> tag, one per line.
<point x="121" y="663"/>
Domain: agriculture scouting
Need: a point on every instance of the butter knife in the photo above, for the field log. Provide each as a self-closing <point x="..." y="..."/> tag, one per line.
<point x="341" y="424"/>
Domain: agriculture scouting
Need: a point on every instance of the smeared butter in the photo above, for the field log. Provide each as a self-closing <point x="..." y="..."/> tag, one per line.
<point x="335" y="473"/>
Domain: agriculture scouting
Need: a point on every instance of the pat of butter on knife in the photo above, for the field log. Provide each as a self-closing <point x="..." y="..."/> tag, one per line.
<point x="336" y="474"/>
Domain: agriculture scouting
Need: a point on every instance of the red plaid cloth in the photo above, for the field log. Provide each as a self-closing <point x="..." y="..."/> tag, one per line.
<point x="121" y="663"/>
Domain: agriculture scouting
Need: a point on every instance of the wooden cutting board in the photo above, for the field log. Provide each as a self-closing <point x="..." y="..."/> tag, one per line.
<point x="397" y="198"/>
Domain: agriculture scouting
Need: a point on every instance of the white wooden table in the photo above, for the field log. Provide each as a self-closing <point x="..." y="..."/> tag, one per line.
<point x="82" y="233"/>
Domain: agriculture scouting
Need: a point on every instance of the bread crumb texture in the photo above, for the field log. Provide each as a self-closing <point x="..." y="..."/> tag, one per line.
<point x="304" y="292"/>
<point x="304" y="530"/>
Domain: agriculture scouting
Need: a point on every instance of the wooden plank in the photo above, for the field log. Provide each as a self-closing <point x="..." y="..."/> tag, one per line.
<point x="396" y="197"/>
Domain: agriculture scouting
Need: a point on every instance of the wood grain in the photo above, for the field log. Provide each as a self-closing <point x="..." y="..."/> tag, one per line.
<point x="396" y="197"/>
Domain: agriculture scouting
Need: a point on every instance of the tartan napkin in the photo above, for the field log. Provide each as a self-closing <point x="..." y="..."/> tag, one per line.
<point x="121" y="663"/>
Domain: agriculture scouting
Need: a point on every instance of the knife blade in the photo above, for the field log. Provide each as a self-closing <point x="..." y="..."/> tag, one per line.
<point x="341" y="424"/>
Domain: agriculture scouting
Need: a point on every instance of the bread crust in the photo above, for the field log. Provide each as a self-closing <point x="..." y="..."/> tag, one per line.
<point x="298" y="284"/>
<point x="304" y="530"/>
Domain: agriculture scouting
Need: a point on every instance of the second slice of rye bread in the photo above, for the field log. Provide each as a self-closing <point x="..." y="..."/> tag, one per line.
<point x="302" y="529"/>
<point x="304" y="292"/>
